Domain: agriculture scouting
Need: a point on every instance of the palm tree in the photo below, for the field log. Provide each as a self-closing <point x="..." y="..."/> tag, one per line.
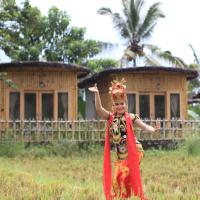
<point x="194" y="85"/>
<point x="135" y="28"/>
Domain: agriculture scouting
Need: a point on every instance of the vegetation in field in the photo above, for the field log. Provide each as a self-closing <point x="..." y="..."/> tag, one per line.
<point x="74" y="171"/>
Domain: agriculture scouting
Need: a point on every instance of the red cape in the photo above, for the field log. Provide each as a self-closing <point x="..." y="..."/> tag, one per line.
<point x="133" y="161"/>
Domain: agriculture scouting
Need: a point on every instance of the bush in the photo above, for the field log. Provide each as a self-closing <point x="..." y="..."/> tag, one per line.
<point x="9" y="149"/>
<point x="39" y="150"/>
<point x="194" y="147"/>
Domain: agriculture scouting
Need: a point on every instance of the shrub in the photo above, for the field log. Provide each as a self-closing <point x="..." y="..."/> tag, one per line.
<point x="194" y="147"/>
<point x="9" y="149"/>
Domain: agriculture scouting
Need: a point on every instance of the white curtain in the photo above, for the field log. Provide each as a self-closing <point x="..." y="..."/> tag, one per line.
<point x="175" y="111"/>
<point x="63" y="107"/>
<point x="14" y="105"/>
<point x="131" y="103"/>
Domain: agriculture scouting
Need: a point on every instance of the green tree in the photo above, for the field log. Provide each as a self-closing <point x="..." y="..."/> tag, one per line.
<point x="98" y="65"/>
<point x="22" y="30"/>
<point x="136" y="27"/>
<point x="65" y="43"/>
<point x="8" y="13"/>
<point x="27" y="35"/>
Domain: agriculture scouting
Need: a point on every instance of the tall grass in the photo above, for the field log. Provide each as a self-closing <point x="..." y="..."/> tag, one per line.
<point x="74" y="171"/>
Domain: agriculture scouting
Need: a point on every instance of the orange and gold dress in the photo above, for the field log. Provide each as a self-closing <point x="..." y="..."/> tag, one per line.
<point x="121" y="187"/>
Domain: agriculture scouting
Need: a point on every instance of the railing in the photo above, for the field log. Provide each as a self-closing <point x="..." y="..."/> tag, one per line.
<point x="89" y="130"/>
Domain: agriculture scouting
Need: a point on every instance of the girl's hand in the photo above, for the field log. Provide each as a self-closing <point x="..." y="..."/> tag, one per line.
<point x="157" y="126"/>
<point x="94" y="88"/>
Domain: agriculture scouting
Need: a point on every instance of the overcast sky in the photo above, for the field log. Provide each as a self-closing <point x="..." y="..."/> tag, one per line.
<point x="179" y="28"/>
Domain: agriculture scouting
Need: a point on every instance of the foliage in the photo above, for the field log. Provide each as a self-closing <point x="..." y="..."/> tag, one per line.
<point x="6" y="80"/>
<point x="194" y="111"/>
<point x="190" y="146"/>
<point x="135" y="26"/>
<point x="64" y="43"/>
<point x="26" y="35"/>
<point x="194" y="147"/>
<point x="63" y="148"/>
<point x="9" y="149"/>
<point x="81" y="108"/>
<point x="98" y="65"/>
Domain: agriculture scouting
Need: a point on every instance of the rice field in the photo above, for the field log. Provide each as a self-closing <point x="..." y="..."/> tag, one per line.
<point x="166" y="175"/>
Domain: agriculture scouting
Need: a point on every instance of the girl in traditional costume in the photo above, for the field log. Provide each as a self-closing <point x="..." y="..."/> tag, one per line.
<point x="126" y="179"/>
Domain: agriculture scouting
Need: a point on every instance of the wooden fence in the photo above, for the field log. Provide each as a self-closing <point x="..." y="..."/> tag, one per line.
<point x="89" y="130"/>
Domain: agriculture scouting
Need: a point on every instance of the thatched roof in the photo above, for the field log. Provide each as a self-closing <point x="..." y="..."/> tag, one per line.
<point x="29" y="65"/>
<point x="190" y="74"/>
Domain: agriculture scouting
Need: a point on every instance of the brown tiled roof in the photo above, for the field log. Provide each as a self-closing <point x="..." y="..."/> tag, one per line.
<point x="81" y="71"/>
<point x="189" y="73"/>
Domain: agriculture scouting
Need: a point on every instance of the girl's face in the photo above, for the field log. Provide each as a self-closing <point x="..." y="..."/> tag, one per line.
<point x="119" y="107"/>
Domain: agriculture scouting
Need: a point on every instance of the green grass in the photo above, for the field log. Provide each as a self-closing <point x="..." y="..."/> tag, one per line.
<point x="166" y="175"/>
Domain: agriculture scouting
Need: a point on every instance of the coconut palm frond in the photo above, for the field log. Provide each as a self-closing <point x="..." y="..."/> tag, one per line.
<point x="178" y="62"/>
<point x="130" y="54"/>
<point x="147" y="33"/>
<point x="132" y="14"/>
<point x="166" y="56"/>
<point x="108" y="45"/>
<point x="194" y="66"/>
<point x="194" y="54"/>
<point x="104" y="11"/>
<point x="152" y="48"/>
<point x="150" y="61"/>
<point x="125" y="9"/>
<point x="138" y="4"/>
<point x="118" y="21"/>
<point x="121" y="25"/>
<point x="153" y="14"/>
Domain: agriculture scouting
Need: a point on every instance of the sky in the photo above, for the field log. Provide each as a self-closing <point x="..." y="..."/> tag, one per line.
<point x="179" y="28"/>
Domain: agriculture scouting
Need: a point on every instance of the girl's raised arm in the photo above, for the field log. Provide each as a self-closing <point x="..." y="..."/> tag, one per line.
<point x="102" y="112"/>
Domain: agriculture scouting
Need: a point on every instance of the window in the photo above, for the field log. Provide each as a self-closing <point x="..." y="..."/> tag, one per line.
<point x="63" y="106"/>
<point x="144" y="106"/>
<point x="131" y="103"/>
<point x="159" y="105"/>
<point x="30" y="106"/>
<point x="175" y="105"/>
<point x="14" y="106"/>
<point x="47" y="106"/>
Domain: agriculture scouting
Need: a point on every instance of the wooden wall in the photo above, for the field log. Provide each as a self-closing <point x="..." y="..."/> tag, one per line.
<point x="55" y="81"/>
<point x="153" y="83"/>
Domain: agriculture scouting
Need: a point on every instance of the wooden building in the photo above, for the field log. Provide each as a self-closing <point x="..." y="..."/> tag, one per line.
<point x="45" y="90"/>
<point x="195" y="99"/>
<point x="153" y="92"/>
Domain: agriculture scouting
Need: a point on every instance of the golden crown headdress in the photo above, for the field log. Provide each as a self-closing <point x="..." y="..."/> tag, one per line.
<point x="118" y="90"/>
